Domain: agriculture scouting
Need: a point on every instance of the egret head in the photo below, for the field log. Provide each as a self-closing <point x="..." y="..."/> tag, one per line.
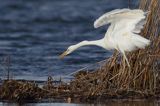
<point x="73" y="48"/>
<point x="68" y="51"/>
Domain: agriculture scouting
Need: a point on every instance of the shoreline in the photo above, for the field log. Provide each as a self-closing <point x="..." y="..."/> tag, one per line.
<point x="30" y="92"/>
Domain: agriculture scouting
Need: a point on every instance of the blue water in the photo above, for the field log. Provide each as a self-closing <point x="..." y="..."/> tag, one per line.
<point x="34" y="32"/>
<point x="108" y="103"/>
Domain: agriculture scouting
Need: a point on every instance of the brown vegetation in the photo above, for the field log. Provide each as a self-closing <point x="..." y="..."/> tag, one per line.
<point x="115" y="79"/>
<point x="26" y="91"/>
<point x="19" y="91"/>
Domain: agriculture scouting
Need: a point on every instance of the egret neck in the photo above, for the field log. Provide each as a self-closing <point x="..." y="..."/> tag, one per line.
<point x="99" y="43"/>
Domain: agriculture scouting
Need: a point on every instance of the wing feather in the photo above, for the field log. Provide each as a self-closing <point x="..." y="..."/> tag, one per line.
<point x="124" y="28"/>
<point x="118" y="14"/>
<point x="139" y="26"/>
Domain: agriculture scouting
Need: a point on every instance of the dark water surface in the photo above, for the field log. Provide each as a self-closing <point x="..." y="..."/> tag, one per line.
<point x="34" y="32"/>
<point x="109" y="103"/>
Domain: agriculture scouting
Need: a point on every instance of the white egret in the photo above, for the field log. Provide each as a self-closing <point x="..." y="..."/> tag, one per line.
<point x="122" y="34"/>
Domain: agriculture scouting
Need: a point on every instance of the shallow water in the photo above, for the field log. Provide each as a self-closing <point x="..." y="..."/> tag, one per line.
<point x="33" y="34"/>
<point x="109" y="103"/>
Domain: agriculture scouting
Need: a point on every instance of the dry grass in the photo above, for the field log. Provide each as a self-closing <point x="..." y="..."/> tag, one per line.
<point x="116" y="79"/>
<point x="19" y="91"/>
<point x="27" y="91"/>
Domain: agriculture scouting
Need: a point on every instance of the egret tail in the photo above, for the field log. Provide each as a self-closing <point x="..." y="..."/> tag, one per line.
<point x="140" y="41"/>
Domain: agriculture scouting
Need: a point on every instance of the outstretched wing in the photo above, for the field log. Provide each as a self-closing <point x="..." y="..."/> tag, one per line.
<point x="124" y="28"/>
<point x="117" y="15"/>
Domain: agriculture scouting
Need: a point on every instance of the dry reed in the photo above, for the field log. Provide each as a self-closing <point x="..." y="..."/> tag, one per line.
<point x="115" y="79"/>
<point x="20" y="91"/>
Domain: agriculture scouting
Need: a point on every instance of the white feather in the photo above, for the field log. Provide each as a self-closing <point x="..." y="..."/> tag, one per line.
<point x="122" y="32"/>
<point x="116" y="15"/>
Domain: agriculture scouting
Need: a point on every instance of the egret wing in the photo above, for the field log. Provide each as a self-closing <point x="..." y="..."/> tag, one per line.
<point x="123" y="34"/>
<point x="123" y="23"/>
<point x="116" y="15"/>
<point x="138" y="26"/>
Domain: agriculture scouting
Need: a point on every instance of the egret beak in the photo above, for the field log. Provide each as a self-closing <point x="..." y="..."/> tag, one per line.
<point x="63" y="55"/>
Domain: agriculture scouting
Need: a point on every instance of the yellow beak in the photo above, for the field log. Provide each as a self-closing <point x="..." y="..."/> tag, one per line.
<point x="63" y="55"/>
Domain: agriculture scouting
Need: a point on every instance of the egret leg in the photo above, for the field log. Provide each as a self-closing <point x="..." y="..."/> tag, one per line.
<point x="129" y="72"/>
<point x="122" y="51"/>
<point x="126" y="59"/>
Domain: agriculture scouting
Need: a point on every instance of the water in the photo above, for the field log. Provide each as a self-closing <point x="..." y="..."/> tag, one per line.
<point x="109" y="103"/>
<point x="33" y="33"/>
